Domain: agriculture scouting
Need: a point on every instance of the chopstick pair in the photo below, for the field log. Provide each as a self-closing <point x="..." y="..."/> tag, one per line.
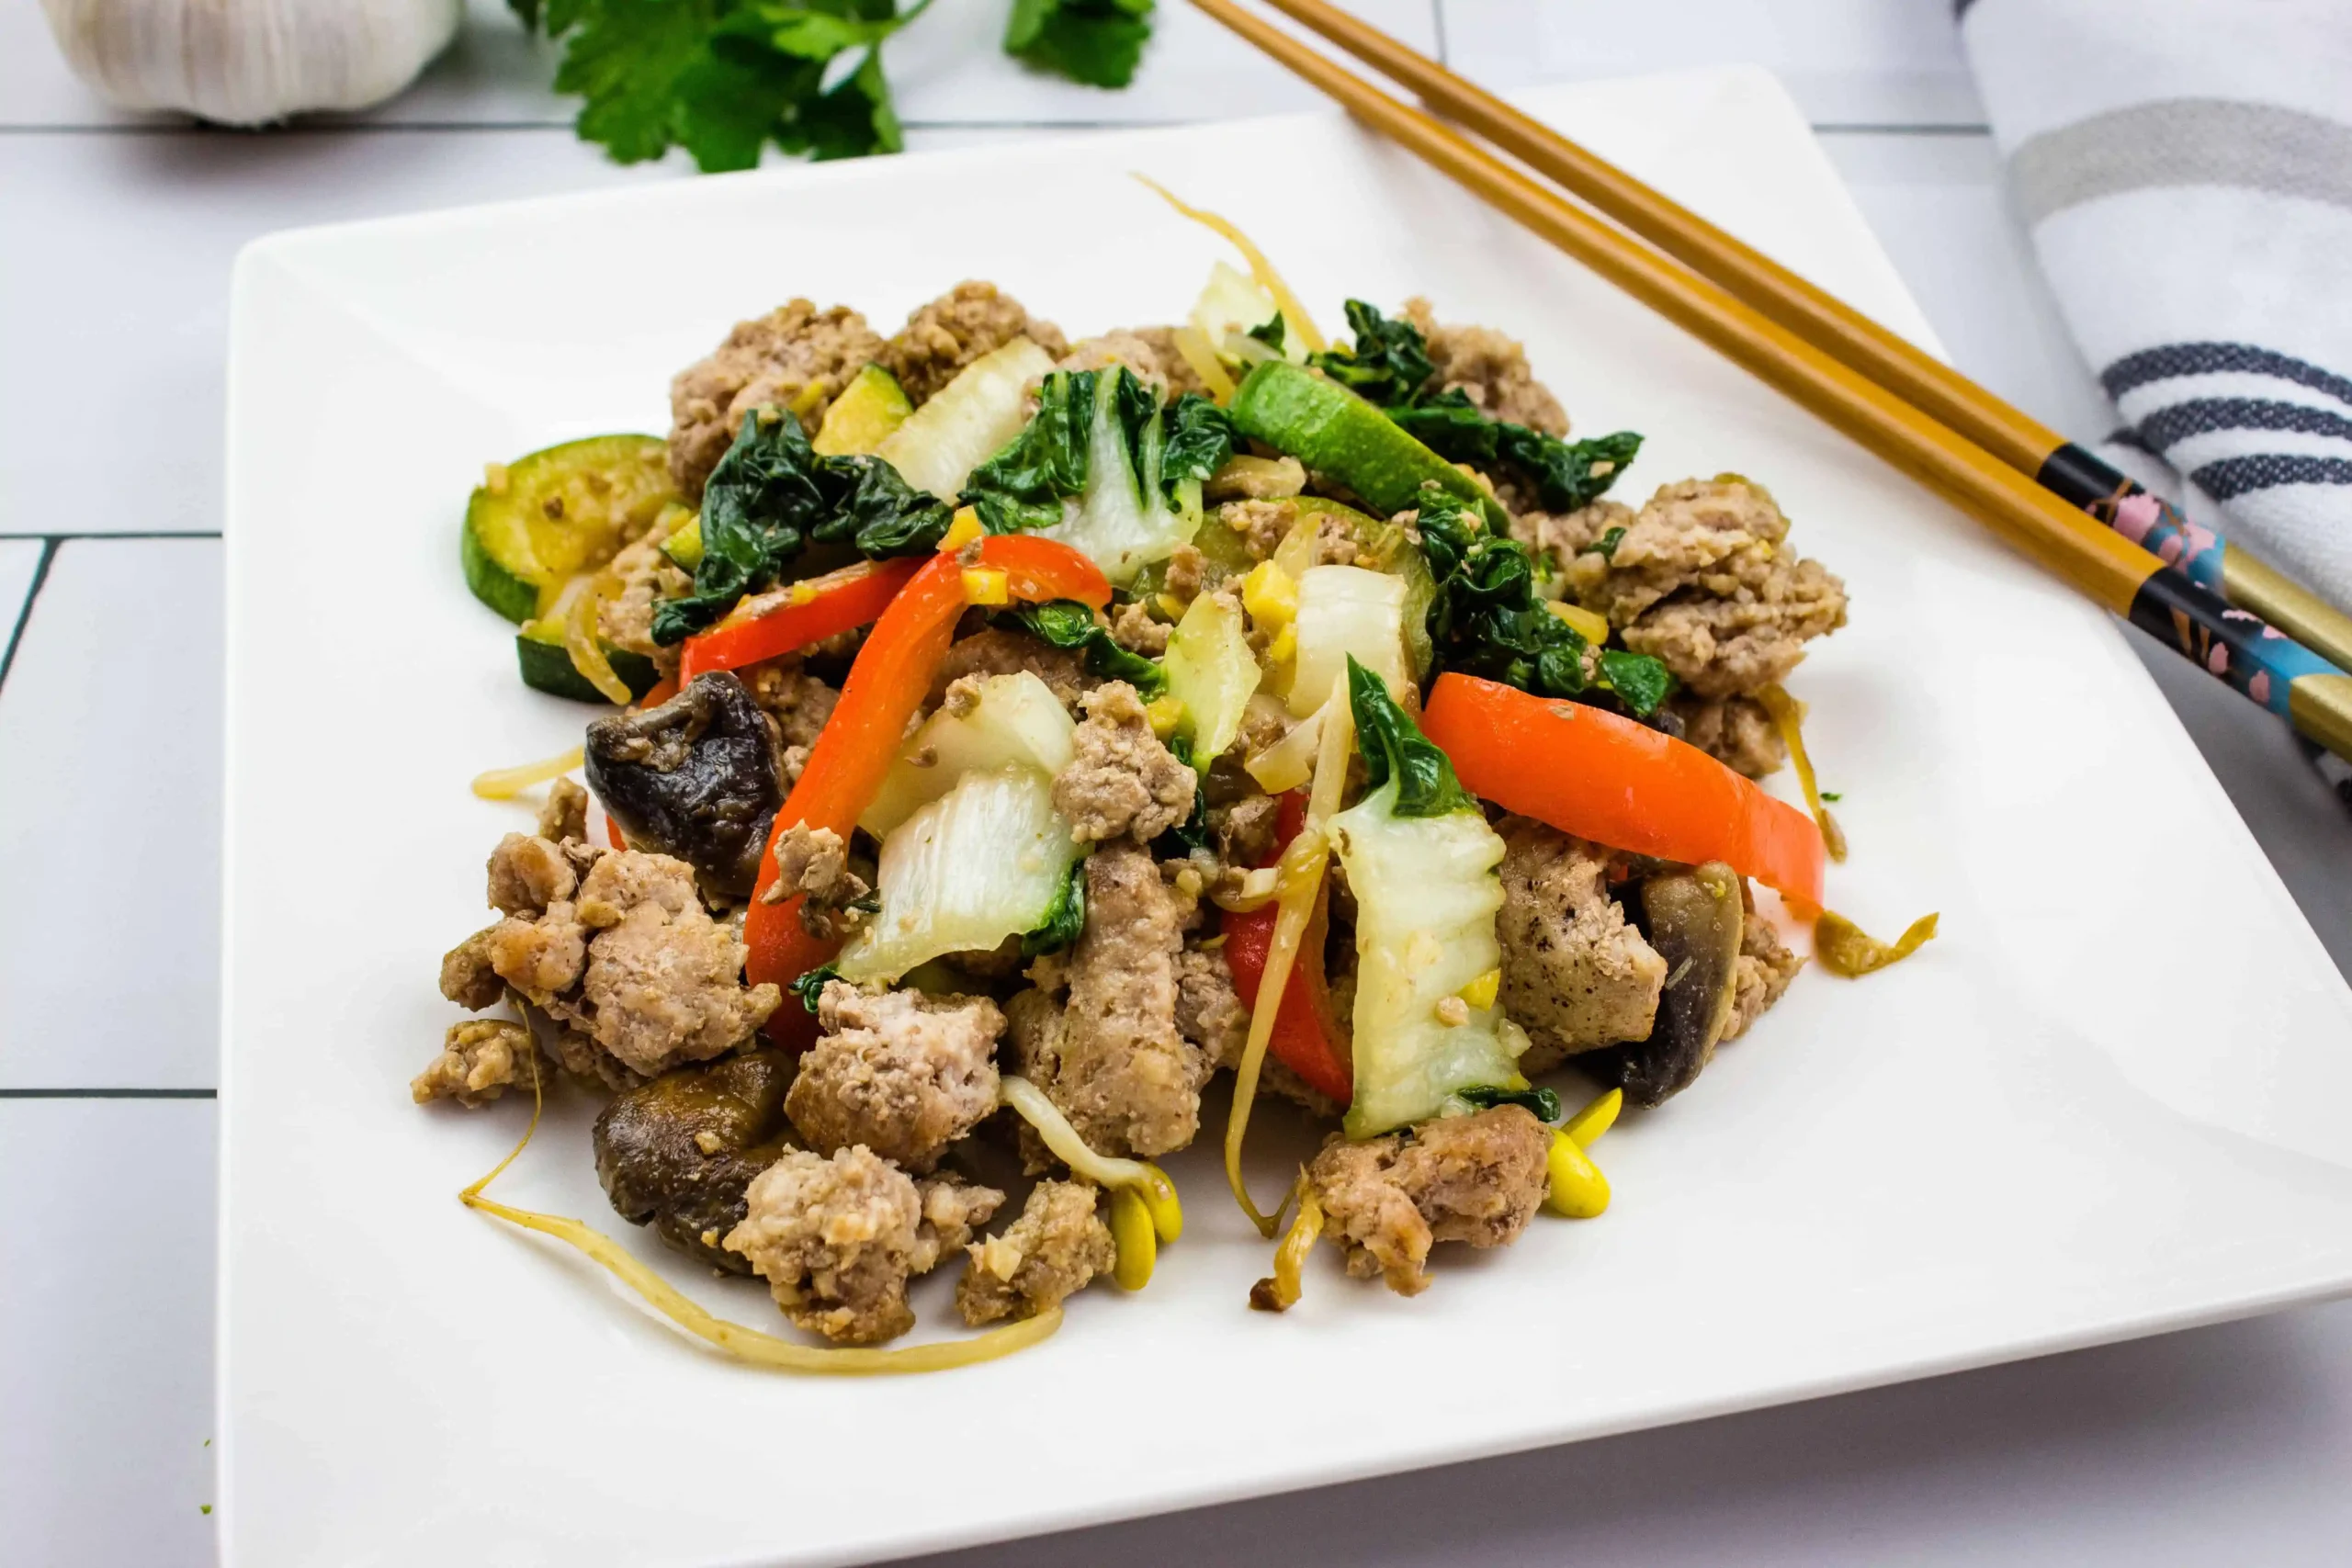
<point x="2060" y="506"/>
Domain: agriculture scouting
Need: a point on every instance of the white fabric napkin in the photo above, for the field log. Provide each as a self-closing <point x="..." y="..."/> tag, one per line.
<point x="2186" y="166"/>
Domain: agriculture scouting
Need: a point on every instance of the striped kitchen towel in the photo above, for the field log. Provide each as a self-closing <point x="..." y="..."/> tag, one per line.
<point x="2187" y="169"/>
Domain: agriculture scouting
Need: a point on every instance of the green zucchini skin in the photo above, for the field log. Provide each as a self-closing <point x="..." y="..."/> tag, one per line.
<point x="494" y="585"/>
<point x="604" y="490"/>
<point x="546" y="667"/>
<point x="1334" y="432"/>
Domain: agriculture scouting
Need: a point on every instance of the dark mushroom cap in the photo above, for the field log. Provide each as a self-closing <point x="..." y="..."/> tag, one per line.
<point x="679" y="1152"/>
<point x="1694" y="918"/>
<point x="700" y="777"/>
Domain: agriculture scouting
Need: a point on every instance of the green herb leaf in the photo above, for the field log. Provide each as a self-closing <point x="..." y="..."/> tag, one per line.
<point x="1606" y="545"/>
<point x="1064" y="622"/>
<point x="724" y="78"/>
<point x="1831" y="795"/>
<point x="772" y="496"/>
<point x="1065" y="921"/>
<point x="810" y="986"/>
<point x="1098" y="42"/>
<point x="1393" y="747"/>
<point x="1540" y="1103"/>
<point x="1272" y="332"/>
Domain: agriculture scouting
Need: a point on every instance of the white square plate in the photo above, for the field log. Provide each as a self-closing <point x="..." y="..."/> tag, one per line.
<point x="2108" y="1101"/>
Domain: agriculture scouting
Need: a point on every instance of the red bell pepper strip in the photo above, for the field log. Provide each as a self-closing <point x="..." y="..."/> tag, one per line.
<point x="1606" y="778"/>
<point x="887" y="685"/>
<point x="1306" y="1038"/>
<point x="795" y="617"/>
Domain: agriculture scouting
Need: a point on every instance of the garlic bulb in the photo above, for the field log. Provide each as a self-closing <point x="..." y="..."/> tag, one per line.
<point x="249" y="62"/>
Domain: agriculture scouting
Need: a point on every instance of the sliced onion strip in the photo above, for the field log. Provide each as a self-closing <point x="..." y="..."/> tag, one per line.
<point x="748" y="1343"/>
<point x="1261" y="270"/>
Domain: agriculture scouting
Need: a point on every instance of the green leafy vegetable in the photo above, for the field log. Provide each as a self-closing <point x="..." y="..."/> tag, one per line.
<point x="1021" y="489"/>
<point x="1606" y="545"/>
<point x="724" y="79"/>
<point x="1488" y="619"/>
<point x="1199" y="438"/>
<point x="811" y="986"/>
<point x="1064" y="623"/>
<point x="771" y="497"/>
<point x="1192" y="833"/>
<point x="1540" y="1103"/>
<point x="1046" y="479"/>
<point x="1831" y="795"/>
<point x="1640" y="681"/>
<point x="1272" y="332"/>
<point x="1065" y="921"/>
<point x="1393" y="746"/>
<point x="1389" y="365"/>
<point x="1099" y="42"/>
<point x="1022" y="486"/>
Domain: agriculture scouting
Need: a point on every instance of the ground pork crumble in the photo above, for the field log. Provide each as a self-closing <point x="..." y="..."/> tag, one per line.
<point x="967" y="321"/>
<point x="837" y="1238"/>
<point x="796" y="357"/>
<point x="1489" y="369"/>
<point x="899" y="1072"/>
<point x="1736" y="732"/>
<point x="615" y="947"/>
<point x="996" y="652"/>
<point x="1048" y="1254"/>
<point x="1576" y="975"/>
<point x="1123" y="781"/>
<point x="1110" y="1056"/>
<point x="1387" y="1200"/>
<point x="1703" y="579"/>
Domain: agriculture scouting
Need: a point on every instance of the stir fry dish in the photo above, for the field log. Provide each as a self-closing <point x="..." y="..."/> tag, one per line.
<point x="1003" y="737"/>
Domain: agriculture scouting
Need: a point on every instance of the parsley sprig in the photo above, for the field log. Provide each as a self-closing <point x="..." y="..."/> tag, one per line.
<point x="725" y="78"/>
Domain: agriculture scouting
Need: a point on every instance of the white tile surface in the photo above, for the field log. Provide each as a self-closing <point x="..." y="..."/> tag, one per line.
<point x="110" y="822"/>
<point x="105" y="1333"/>
<point x="1848" y="62"/>
<point x="103" y="292"/>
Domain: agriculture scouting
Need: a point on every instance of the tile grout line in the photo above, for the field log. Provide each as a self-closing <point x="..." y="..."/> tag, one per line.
<point x="6" y="1094"/>
<point x="25" y="611"/>
<point x="155" y="534"/>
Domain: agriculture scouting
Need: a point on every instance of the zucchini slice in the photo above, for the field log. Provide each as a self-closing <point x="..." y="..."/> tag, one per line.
<point x="1334" y="432"/>
<point x="870" y="409"/>
<point x="547" y="666"/>
<point x="542" y="519"/>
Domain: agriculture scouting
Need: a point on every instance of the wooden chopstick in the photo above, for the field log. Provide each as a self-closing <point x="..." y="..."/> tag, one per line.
<point x="2076" y="474"/>
<point x="2103" y="565"/>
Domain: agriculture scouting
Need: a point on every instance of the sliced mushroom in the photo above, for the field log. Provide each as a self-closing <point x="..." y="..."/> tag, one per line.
<point x="700" y="777"/>
<point x="1693" y="920"/>
<point x="679" y="1152"/>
